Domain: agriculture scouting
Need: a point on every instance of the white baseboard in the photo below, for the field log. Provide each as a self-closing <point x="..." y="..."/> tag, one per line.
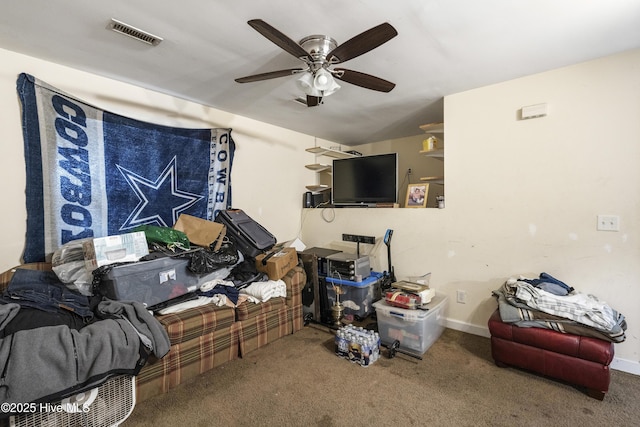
<point x="629" y="366"/>
<point x="468" y="328"/>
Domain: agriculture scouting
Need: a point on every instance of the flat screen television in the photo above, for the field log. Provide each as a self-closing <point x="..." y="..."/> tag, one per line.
<point x="365" y="180"/>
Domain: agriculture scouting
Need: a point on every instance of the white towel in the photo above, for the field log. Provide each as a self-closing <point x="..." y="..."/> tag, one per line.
<point x="263" y="291"/>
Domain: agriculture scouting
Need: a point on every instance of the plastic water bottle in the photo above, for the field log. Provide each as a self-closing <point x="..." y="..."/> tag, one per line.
<point x="340" y="343"/>
<point x="344" y="346"/>
<point x="365" y="353"/>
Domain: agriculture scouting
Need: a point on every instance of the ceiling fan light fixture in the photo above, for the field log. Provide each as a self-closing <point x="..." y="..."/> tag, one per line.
<point x="325" y="82"/>
<point x="321" y="83"/>
<point x="306" y="83"/>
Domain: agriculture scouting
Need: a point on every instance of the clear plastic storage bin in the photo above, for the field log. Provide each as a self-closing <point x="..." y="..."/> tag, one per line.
<point x="416" y="330"/>
<point x="357" y="297"/>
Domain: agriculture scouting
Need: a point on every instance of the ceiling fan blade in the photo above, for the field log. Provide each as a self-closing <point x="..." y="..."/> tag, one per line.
<point x="362" y="43"/>
<point x="364" y="80"/>
<point x="269" y="75"/>
<point x="313" y="101"/>
<point x="279" y="39"/>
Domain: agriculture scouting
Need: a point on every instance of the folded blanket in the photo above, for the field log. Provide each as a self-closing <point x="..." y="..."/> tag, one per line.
<point x="583" y="308"/>
<point x="512" y="310"/>
<point x="263" y="291"/>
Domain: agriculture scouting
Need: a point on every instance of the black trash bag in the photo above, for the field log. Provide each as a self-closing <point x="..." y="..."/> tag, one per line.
<point x="207" y="261"/>
<point x="227" y="255"/>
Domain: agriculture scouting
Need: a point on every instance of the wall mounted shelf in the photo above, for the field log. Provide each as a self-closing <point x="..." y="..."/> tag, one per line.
<point x="319" y="167"/>
<point x="438" y="154"/>
<point x="318" y="187"/>
<point x="322" y="169"/>
<point x="433" y="128"/>
<point x="433" y="179"/>
<point x="329" y="152"/>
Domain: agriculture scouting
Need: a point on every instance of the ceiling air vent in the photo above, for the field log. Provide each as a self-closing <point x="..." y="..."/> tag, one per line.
<point x="300" y="101"/>
<point x="128" y="30"/>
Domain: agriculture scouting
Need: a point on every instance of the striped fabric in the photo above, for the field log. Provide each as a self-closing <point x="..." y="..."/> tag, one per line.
<point x="248" y="309"/>
<point x="195" y="322"/>
<point x="296" y="315"/>
<point x="261" y="330"/>
<point x="295" y="280"/>
<point x="187" y="360"/>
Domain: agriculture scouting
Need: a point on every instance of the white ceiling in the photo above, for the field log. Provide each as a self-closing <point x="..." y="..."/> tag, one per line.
<point x="443" y="47"/>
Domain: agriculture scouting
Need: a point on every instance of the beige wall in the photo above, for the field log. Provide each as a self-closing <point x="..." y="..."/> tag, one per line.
<point x="267" y="180"/>
<point x="523" y="196"/>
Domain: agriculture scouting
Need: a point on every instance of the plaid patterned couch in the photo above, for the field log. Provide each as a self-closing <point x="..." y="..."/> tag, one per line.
<point x="205" y="337"/>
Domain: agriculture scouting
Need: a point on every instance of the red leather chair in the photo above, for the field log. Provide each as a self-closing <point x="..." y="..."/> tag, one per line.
<point x="578" y="360"/>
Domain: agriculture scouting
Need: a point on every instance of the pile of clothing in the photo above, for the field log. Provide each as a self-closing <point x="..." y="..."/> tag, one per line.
<point x="72" y="341"/>
<point x="546" y="302"/>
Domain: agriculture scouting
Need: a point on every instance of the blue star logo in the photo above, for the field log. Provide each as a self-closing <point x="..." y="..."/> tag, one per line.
<point x="160" y="202"/>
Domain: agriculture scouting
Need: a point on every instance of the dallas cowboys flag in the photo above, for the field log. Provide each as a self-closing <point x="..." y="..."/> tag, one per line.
<point x="92" y="173"/>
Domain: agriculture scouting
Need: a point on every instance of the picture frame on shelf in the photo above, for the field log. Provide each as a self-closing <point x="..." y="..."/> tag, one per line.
<point x="416" y="195"/>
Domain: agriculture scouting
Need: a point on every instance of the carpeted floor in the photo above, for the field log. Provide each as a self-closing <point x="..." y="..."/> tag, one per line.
<point x="299" y="381"/>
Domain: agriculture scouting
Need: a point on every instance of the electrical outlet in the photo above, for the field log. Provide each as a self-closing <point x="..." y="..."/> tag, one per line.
<point x="409" y="171"/>
<point x="608" y="223"/>
<point x="462" y="297"/>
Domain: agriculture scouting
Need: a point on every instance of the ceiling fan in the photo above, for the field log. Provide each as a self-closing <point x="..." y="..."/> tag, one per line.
<point x="320" y="53"/>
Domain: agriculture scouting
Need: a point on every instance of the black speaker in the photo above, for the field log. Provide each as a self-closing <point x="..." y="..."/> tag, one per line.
<point x="307" y="200"/>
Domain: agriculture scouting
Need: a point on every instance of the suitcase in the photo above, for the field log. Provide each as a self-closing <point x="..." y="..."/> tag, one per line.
<point x="251" y="238"/>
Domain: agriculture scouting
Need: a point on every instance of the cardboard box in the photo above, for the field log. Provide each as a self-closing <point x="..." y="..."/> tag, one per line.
<point x="200" y="231"/>
<point x="128" y="247"/>
<point x="278" y="262"/>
